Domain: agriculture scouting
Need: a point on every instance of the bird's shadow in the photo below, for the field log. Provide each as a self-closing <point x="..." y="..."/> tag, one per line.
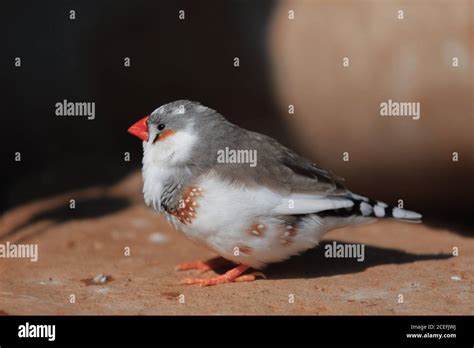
<point x="88" y="208"/>
<point x="315" y="263"/>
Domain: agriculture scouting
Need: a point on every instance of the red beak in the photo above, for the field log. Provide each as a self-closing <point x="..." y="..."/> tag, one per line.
<point x="140" y="129"/>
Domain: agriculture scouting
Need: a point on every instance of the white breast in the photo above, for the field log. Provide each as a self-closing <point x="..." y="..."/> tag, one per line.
<point x="160" y="160"/>
<point x="225" y="214"/>
<point x="226" y="206"/>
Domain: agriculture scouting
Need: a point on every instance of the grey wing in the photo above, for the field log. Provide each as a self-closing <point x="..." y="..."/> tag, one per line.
<point x="307" y="188"/>
<point x="283" y="169"/>
<point x="297" y="180"/>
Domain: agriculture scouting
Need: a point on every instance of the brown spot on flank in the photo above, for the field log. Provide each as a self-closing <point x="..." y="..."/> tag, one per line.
<point x="290" y="231"/>
<point x="185" y="212"/>
<point x="245" y="249"/>
<point x="256" y="230"/>
<point x="287" y="232"/>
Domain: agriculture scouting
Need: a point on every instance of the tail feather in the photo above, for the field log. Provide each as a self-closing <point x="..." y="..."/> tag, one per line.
<point x="370" y="208"/>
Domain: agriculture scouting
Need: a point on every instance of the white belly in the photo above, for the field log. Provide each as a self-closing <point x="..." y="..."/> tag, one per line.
<point x="238" y="223"/>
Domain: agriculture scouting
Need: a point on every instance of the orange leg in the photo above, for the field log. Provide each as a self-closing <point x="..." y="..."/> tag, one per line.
<point x="203" y="266"/>
<point x="234" y="275"/>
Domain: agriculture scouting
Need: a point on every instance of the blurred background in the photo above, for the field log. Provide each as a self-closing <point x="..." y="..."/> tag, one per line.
<point x="282" y="61"/>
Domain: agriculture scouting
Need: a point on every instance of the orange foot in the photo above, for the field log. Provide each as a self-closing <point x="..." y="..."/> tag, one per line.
<point x="203" y="266"/>
<point x="234" y="275"/>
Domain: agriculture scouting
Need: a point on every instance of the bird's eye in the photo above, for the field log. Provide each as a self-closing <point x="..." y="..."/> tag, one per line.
<point x="161" y="126"/>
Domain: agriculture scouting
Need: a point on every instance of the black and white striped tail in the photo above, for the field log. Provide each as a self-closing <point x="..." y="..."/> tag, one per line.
<point x="370" y="208"/>
<point x="365" y="207"/>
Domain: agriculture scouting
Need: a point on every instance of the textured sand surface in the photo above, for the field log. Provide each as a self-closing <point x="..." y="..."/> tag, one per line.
<point x="413" y="260"/>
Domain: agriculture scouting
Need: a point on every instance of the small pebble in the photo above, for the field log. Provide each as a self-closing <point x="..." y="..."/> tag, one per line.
<point x="100" y="279"/>
<point x="97" y="280"/>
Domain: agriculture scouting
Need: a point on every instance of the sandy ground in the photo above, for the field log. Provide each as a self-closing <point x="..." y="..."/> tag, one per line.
<point x="75" y="245"/>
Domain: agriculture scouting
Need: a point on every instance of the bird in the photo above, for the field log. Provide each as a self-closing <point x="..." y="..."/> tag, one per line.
<point x="240" y="193"/>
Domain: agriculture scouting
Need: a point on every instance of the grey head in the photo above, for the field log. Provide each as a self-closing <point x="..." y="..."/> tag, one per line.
<point x="210" y="129"/>
<point x="183" y="115"/>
